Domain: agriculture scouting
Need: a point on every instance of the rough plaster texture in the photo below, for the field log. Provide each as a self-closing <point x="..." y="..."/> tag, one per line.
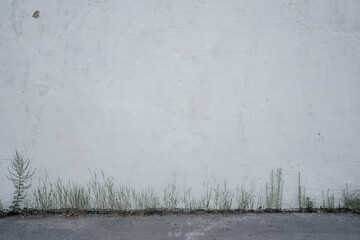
<point x="198" y="89"/>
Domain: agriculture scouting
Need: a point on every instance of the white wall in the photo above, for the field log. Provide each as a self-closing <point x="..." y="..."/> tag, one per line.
<point x="198" y="89"/>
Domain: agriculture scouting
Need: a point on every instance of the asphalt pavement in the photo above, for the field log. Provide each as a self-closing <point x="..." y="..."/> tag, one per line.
<point x="233" y="226"/>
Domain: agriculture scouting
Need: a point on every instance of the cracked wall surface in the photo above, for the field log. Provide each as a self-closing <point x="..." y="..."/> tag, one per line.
<point x="200" y="90"/>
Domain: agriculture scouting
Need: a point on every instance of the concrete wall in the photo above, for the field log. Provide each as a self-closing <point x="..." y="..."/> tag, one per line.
<point x="202" y="90"/>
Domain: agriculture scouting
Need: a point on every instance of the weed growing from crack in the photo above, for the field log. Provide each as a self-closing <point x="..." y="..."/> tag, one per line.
<point x="146" y="199"/>
<point x="124" y="198"/>
<point x="223" y="197"/>
<point x="309" y="204"/>
<point x="98" y="189"/>
<point x="305" y="202"/>
<point x="44" y="195"/>
<point x="206" y="197"/>
<point x="112" y="201"/>
<point x="346" y="197"/>
<point x="61" y="196"/>
<point x="104" y="195"/>
<point x="171" y="197"/>
<point x="1" y="209"/>
<point x="245" y="198"/>
<point x="101" y="194"/>
<point x="300" y="194"/>
<point x="79" y="196"/>
<point x="19" y="174"/>
<point x="350" y="200"/>
<point x="328" y="201"/>
<point x="274" y="190"/>
<point x="355" y="202"/>
<point x="189" y="201"/>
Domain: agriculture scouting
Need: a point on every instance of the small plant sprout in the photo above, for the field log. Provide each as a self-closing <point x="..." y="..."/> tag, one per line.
<point x="19" y="174"/>
<point x="309" y="204"/>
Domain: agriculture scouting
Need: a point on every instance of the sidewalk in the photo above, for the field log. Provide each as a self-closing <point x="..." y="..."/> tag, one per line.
<point x="237" y="226"/>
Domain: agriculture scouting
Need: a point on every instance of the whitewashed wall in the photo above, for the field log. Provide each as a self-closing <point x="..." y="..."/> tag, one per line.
<point x="146" y="90"/>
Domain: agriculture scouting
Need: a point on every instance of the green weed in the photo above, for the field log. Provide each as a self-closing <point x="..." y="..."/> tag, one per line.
<point x="2" y="213"/>
<point x="124" y="198"/>
<point x="171" y="196"/>
<point x="274" y="190"/>
<point x="44" y="195"/>
<point x="223" y="197"/>
<point x="101" y="194"/>
<point x="19" y="174"/>
<point x="309" y="204"/>
<point x="245" y="198"/>
<point x="190" y="202"/>
<point x="146" y="199"/>
<point x="79" y="196"/>
<point x="328" y="201"/>
<point x="350" y="200"/>
<point x="206" y="197"/>
<point x="304" y="201"/>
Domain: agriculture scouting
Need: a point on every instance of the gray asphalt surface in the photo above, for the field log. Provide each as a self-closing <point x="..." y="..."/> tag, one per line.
<point x="290" y="226"/>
